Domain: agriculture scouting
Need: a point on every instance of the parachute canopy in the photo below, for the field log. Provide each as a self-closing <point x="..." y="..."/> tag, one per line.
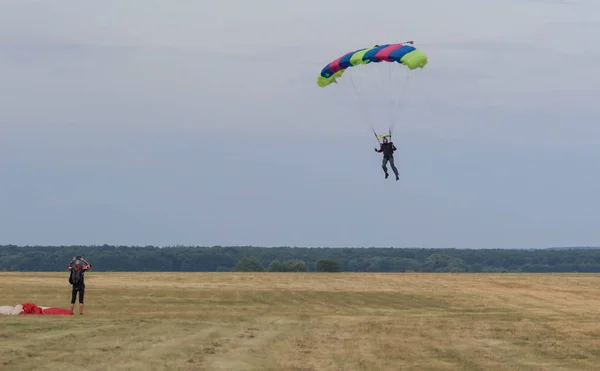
<point x="378" y="90"/>
<point x="404" y="54"/>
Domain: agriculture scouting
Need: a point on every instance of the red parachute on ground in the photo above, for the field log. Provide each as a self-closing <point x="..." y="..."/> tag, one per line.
<point x="30" y="308"/>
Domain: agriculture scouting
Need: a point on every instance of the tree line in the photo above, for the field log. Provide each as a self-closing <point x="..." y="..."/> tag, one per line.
<point x="298" y="259"/>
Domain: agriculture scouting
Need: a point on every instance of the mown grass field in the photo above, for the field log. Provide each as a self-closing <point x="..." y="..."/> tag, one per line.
<point x="294" y="321"/>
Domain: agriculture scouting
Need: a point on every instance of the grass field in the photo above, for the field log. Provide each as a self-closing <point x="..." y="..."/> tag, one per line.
<point x="291" y="321"/>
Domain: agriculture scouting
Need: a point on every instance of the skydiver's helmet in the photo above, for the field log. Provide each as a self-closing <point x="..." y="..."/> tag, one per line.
<point x="385" y="139"/>
<point x="78" y="262"/>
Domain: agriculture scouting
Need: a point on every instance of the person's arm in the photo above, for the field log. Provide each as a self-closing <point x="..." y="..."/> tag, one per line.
<point x="379" y="150"/>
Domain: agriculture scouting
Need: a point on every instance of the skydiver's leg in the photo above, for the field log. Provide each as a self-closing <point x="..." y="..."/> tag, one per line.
<point x="384" y="166"/>
<point x="81" y="293"/>
<point x="394" y="167"/>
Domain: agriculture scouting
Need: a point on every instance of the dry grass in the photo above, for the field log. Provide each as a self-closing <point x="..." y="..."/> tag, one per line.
<point x="287" y="321"/>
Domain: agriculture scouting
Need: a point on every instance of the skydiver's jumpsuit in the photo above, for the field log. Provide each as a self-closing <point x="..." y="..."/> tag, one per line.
<point x="388" y="155"/>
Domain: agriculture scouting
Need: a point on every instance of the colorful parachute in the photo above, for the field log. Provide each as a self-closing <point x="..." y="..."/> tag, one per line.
<point x="380" y="87"/>
<point x="407" y="55"/>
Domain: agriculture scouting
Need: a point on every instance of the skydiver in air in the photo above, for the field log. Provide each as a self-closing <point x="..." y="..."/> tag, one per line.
<point x="388" y="149"/>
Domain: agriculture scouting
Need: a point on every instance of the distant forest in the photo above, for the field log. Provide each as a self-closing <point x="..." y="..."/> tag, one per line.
<point x="281" y="259"/>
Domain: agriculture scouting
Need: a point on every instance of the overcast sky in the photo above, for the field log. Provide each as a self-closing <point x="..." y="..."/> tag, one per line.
<point x="200" y="123"/>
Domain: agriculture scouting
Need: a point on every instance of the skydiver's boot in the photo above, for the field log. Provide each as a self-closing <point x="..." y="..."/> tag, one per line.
<point x="397" y="177"/>
<point x="384" y="167"/>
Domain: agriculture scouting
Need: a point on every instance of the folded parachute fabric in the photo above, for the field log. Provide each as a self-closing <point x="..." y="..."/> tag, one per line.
<point x="29" y="308"/>
<point x="58" y="312"/>
<point x="6" y="309"/>
<point x="10" y="310"/>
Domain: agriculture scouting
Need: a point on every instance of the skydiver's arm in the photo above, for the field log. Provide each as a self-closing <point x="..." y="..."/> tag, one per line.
<point x="394" y="147"/>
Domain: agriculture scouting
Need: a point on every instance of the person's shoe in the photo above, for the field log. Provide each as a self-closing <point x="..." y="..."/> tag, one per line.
<point x="386" y="175"/>
<point x="397" y="177"/>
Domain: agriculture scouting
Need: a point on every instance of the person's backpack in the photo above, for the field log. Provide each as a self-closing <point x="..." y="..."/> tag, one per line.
<point x="76" y="276"/>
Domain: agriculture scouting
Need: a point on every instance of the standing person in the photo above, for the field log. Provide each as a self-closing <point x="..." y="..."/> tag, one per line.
<point x="78" y="266"/>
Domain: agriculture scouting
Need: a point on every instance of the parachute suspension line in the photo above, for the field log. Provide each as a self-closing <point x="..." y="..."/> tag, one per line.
<point x="364" y="110"/>
<point x="390" y="97"/>
<point x="376" y="137"/>
<point x="406" y="82"/>
<point x="366" y="88"/>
